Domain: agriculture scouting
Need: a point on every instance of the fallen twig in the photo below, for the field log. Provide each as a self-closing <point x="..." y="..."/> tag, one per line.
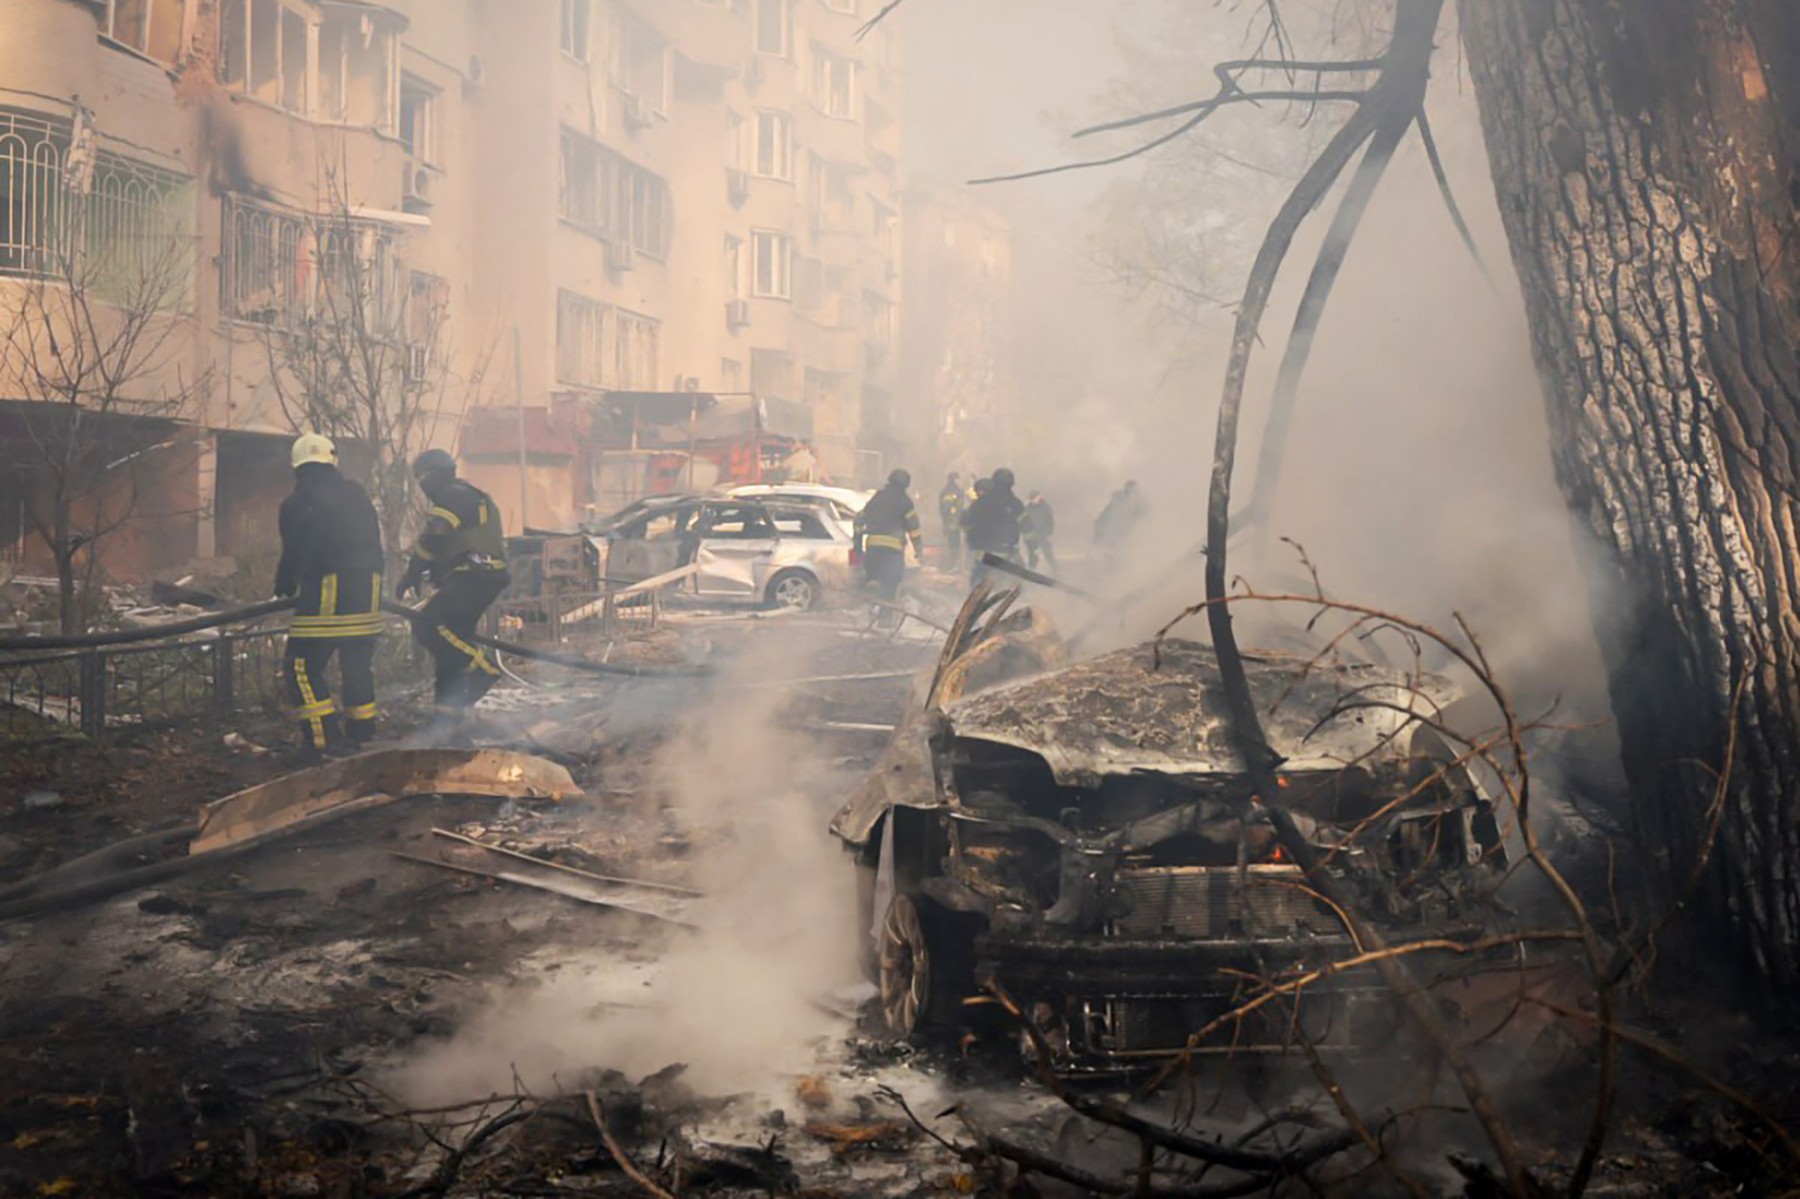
<point x="618" y="1153"/>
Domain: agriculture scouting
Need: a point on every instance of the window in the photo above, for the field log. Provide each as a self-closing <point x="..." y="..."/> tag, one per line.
<point x="281" y="266"/>
<point x="878" y="313"/>
<point x="846" y="6"/>
<point x="887" y="226"/>
<point x="772" y="255"/>
<point x="834" y="83"/>
<point x="574" y="33"/>
<point x="737" y="273"/>
<point x="640" y="64"/>
<point x="417" y="100"/>
<point x="606" y="193"/>
<point x="801" y="523"/>
<point x="136" y="215"/>
<point x="358" y="69"/>
<point x="775" y="27"/>
<point x="771" y="373"/>
<point x="637" y="344"/>
<point x="580" y="340"/>
<point x="150" y="26"/>
<point x="774" y="145"/>
<point x="578" y="196"/>
<point x="731" y="374"/>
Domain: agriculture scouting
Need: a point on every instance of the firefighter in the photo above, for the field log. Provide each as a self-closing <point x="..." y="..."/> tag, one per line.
<point x="993" y="522"/>
<point x="887" y="522"/>
<point x="462" y="551"/>
<point x="951" y="503"/>
<point x="331" y="560"/>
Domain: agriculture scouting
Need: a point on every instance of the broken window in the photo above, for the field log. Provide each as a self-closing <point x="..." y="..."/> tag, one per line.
<point x="152" y="27"/>
<point x="774" y="27"/>
<point x="801" y="523"/>
<point x="772" y="255"/>
<point x="774" y="145"/>
<point x="834" y="83"/>
<point x="580" y="340"/>
<point x="295" y="35"/>
<point x="637" y="344"/>
<point x="280" y="267"/>
<point x="608" y="194"/>
<point x="417" y="100"/>
<point x="427" y="307"/>
<point x="640" y="67"/>
<point x="358" y="69"/>
<point x="573" y="36"/>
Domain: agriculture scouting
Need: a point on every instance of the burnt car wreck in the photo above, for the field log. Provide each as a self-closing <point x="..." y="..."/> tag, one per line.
<point x="1083" y="834"/>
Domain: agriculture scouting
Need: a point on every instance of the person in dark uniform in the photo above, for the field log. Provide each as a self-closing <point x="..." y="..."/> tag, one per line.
<point x="331" y="561"/>
<point x="993" y="523"/>
<point x="951" y="502"/>
<point x="462" y="551"/>
<point x="887" y="522"/>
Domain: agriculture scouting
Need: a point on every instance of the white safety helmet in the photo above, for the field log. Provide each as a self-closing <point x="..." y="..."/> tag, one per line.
<point x="314" y="447"/>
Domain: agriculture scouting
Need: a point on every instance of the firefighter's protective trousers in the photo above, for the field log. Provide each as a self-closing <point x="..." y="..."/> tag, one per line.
<point x="338" y="614"/>
<point x="445" y="626"/>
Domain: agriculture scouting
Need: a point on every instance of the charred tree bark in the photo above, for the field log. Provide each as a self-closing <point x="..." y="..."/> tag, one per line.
<point x="1647" y="158"/>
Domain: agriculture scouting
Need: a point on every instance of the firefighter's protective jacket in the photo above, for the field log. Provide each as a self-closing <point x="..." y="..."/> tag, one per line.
<point x="462" y="533"/>
<point x="993" y="521"/>
<point x="330" y="555"/>
<point x="887" y="521"/>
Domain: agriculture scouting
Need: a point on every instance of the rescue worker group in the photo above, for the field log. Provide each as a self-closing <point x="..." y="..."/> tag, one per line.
<point x="332" y="564"/>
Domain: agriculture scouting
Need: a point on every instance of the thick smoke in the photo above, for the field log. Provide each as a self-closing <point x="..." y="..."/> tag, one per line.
<point x="738" y="1001"/>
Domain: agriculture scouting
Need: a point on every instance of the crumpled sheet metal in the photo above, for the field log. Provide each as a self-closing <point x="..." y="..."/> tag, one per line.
<point x="387" y="774"/>
<point x="1124" y="712"/>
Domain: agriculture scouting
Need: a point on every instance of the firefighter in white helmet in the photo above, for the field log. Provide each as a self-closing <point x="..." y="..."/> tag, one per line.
<point x="331" y="561"/>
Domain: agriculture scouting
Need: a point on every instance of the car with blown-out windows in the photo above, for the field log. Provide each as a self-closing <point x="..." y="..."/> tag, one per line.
<point x="781" y="551"/>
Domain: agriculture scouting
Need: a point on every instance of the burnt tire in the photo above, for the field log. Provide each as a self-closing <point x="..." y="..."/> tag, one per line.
<point x="794" y="589"/>
<point x="925" y="966"/>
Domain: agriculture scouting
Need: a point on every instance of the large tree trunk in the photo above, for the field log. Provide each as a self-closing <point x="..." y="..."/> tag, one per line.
<point x="1647" y="157"/>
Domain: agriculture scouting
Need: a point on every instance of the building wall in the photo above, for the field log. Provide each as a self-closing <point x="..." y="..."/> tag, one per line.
<point x="483" y="201"/>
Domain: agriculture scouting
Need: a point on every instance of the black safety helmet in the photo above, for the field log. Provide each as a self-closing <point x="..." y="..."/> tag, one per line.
<point x="900" y="478"/>
<point x="1003" y="477"/>
<point x="434" y="462"/>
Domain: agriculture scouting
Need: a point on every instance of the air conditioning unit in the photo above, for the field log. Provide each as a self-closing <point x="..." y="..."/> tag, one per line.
<point x="636" y="112"/>
<point x="737" y="186"/>
<point x="416" y="185"/>
<point x="619" y="257"/>
<point x="737" y="313"/>
<point x="418" y="363"/>
<point x="687" y="383"/>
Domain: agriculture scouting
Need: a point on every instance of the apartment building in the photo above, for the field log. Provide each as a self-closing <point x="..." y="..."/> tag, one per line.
<point x="541" y="206"/>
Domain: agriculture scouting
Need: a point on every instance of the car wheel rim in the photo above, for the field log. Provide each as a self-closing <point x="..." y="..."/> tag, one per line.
<point x="905" y="967"/>
<point x="793" y="593"/>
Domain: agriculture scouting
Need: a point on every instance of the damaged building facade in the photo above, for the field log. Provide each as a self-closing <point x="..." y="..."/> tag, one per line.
<point x="539" y="206"/>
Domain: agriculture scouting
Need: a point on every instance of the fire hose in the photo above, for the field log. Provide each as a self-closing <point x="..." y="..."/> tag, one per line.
<point x="252" y="612"/>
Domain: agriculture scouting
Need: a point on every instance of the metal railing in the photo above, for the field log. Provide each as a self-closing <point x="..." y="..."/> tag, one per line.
<point x="231" y="673"/>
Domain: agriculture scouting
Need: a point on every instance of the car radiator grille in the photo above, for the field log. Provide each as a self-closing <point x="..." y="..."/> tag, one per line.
<point x="1214" y="903"/>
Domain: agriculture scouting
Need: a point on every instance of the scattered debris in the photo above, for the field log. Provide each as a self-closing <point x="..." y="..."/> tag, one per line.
<point x="37" y="801"/>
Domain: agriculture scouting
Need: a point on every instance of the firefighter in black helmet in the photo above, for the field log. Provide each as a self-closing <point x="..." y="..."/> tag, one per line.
<point x="462" y="551"/>
<point x="331" y="561"/>
<point x="993" y="523"/>
<point x="884" y="526"/>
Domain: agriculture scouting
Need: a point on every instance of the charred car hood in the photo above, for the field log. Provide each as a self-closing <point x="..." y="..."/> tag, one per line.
<point x="1162" y="709"/>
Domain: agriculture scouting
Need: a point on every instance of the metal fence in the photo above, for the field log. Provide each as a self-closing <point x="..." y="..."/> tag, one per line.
<point x="555" y="616"/>
<point x="159" y="683"/>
